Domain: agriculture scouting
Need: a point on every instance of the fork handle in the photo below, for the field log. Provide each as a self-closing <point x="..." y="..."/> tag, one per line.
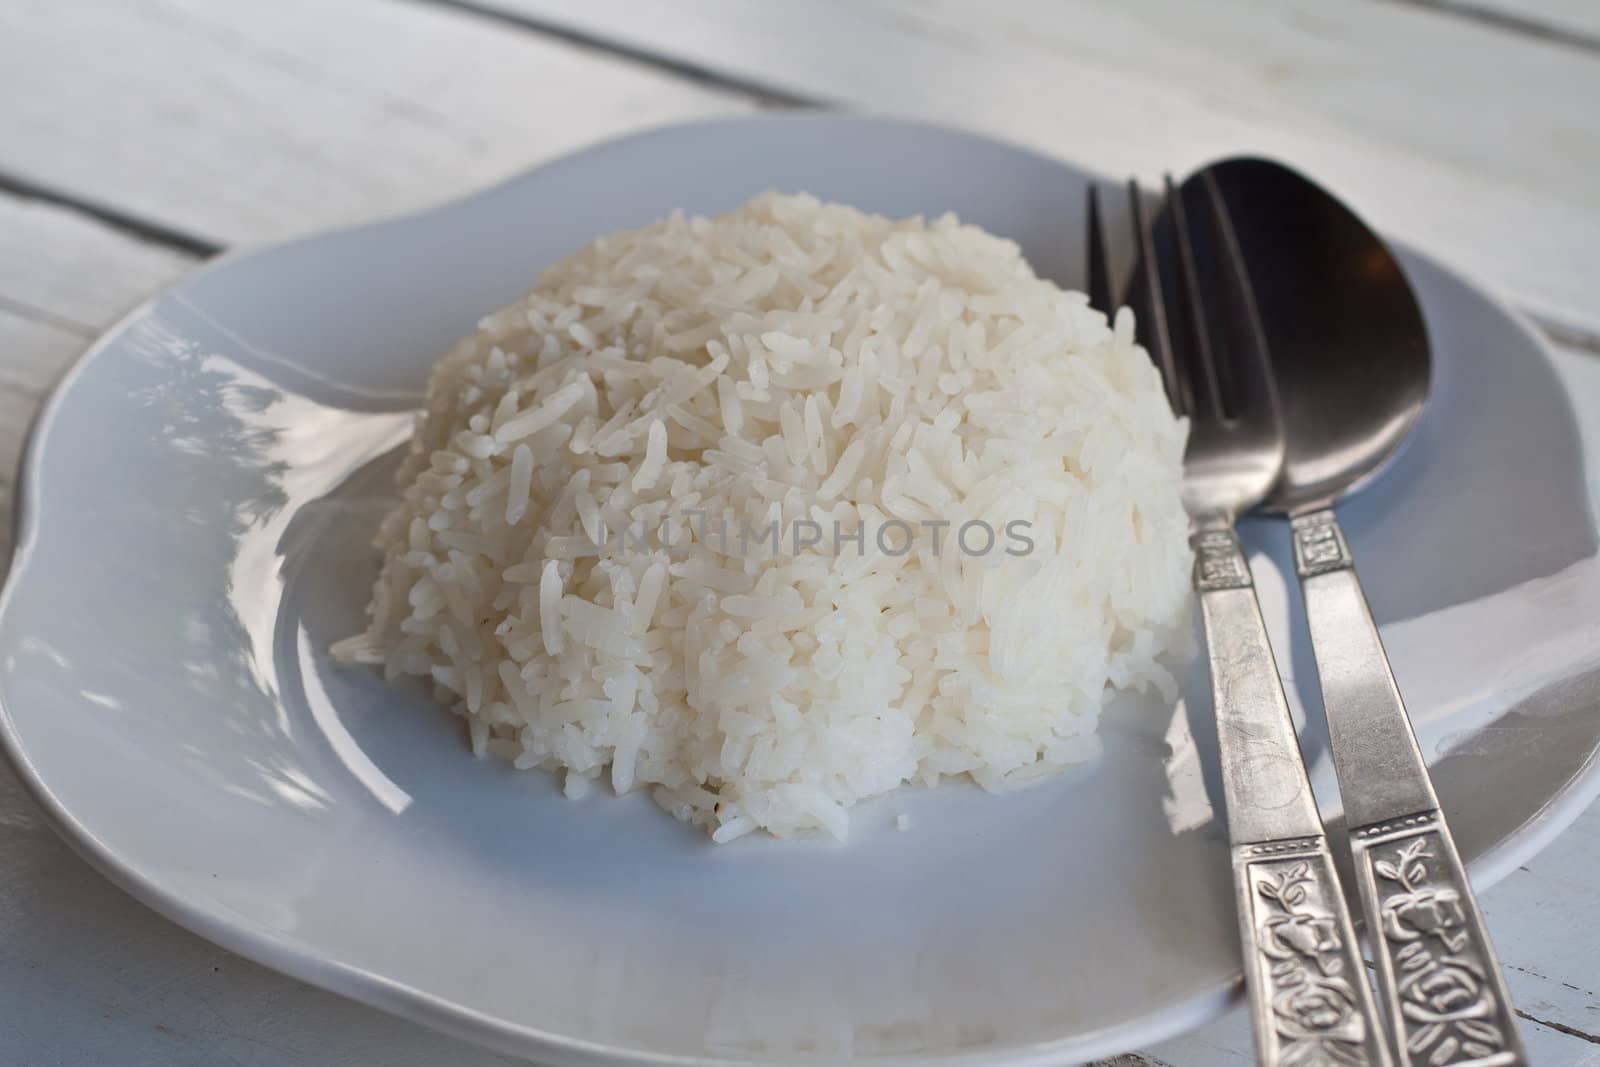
<point x="1310" y="1003"/>
<point x="1307" y="985"/>
<point x="1442" y="986"/>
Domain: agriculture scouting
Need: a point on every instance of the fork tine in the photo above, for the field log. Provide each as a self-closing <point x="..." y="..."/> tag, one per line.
<point x="1242" y="373"/>
<point x="1157" y="337"/>
<point x="1099" y="261"/>
<point x="1202" y="389"/>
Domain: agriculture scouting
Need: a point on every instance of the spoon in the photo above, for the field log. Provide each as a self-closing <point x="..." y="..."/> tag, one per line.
<point x="1351" y="359"/>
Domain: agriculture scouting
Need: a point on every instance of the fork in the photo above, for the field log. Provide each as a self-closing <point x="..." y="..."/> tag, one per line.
<point x="1310" y="1002"/>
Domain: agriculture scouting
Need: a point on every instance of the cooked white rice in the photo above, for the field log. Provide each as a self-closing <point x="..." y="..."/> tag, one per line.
<point x="789" y="360"/>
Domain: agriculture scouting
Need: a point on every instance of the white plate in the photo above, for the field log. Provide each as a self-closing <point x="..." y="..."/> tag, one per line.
<point x="198" y="496"/>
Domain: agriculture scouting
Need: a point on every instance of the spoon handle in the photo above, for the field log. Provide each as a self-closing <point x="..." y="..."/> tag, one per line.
<point x="1310" y="1003"/>
<point x="1442" y="986"/>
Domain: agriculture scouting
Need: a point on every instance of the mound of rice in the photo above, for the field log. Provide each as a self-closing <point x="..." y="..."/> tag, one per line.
<point x="791" y="360"/>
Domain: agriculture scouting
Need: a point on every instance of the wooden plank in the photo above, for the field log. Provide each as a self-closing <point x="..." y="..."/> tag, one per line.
<point x="34" y="352"/>
<point x="1226" y="1043"/>
<point x="17" y="407"/>
<point x="1545" y="918"/>
<point x="1476" y="144"/>
<point x="239" y="121"/>
<point x="60" y="267"/>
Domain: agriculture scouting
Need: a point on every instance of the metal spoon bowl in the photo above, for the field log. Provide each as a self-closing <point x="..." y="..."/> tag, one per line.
<point x="1347" y="338"/>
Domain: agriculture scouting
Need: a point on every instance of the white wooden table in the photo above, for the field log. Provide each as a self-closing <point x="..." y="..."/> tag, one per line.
<point x="138" y="137"/>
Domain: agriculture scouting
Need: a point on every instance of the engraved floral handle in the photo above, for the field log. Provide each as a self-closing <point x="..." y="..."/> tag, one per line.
<point x="1442" y="987"/>
<point x="1310" y="1003"/>
<point x="1307" y="984"/>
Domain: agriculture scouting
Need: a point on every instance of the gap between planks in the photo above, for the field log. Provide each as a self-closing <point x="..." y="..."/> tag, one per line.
<point x="1500" y="15"/>
<point x="131" y="225"/>
<point x="1560" y="1028"/>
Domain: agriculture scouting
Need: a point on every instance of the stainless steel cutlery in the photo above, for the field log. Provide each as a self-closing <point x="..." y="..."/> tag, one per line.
<point x="1286" y="333"/>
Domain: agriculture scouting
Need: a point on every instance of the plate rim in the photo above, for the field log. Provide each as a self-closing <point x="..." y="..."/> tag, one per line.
<point x="301" y="961"/>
